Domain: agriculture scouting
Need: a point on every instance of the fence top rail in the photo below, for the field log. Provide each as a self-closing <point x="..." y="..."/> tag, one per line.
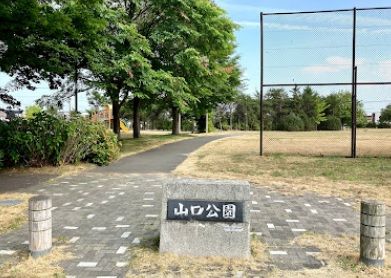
<point x="325" y="84"/>
<point x="328" y="11"/>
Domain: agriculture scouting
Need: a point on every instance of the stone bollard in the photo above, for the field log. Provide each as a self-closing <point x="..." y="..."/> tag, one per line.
<point x="372" y="233"/>
<point x="40" y="225"/>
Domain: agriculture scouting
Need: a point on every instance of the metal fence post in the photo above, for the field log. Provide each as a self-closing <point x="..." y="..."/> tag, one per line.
<point x="354" y="87"/>
<point x="261" y="89"/>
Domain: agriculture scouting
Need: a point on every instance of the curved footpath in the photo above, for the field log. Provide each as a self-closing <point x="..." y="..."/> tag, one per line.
<point x="163" y="159"/>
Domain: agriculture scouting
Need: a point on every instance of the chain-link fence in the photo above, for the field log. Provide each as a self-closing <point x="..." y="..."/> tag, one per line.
<point x="326" y="82"/>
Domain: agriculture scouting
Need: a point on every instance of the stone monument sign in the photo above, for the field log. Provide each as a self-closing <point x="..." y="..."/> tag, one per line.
<point x="206" y="218"/>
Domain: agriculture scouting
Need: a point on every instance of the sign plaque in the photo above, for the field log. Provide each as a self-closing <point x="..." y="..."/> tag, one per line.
<point x="205" y="211"/>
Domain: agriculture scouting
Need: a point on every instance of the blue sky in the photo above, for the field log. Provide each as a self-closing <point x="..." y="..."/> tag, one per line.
<point x="303" y="49"/>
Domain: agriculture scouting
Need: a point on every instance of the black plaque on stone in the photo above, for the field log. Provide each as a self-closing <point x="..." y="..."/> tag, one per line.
<point x="216" y="211"/>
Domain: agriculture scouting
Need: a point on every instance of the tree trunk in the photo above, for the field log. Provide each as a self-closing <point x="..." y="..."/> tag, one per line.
<point x="116" y="126"/>
<point x="206" y="122"/>
<point x="230" y="118"/>
<point x="176" y="121"/>
<point x="136" y="117"/>
<point x="76" y="92"/>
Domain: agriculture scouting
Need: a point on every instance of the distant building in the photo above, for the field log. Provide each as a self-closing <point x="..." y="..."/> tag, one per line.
<point x="371" y="118"/>
<point x="3" y="115"/>
<point x="9" y="113"/>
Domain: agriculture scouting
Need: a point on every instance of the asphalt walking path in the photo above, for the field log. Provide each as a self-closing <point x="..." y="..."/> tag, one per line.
<point x="163" y="159"/>
<point x="105" y="213"/>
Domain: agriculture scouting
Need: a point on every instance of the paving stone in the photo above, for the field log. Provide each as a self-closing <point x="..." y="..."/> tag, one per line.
<point x="127" y="220"/>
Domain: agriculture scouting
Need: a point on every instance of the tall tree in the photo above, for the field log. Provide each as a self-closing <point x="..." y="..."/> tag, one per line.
<point x="276" y="105"/>
<point x="119" y="66"/>
<point x="314" y="107"/>
<point x="192" y="40"/>
<point x="339" y="106"/>
<point x="385" y="115"/>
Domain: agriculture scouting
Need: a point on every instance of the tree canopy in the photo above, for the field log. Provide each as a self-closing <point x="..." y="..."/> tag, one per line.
<point x="385" y="115"/>
<point x="174" y="52"/>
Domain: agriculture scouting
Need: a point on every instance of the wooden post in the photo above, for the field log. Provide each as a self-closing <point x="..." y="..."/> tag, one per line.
<point x="372" y="233"/>
<point x="40" y="225"/>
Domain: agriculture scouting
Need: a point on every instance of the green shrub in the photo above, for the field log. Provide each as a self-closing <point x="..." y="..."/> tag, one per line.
<point x="89" y="141"/>
<point x="3" y="139"/>
<point x="291" y="122"/>
<point x="331" y="123"/>
<point x="371" y="125"/>
<point x="106" y="147"/>
<point x="53" y="140"/>
<point x="384" y="125"/>
<point x="35" y="142"/>
<point x="49" y="134"/>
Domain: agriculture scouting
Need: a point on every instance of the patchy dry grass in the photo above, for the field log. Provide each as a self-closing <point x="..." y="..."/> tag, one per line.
<point x="148" y="262"/>
<point x="238" y="158"/>
<point x="63" y="170"/>
<point x="47" y="266"/>
<point x="370" y="142"/>
<point x="341" y="255"/>
<point x="14" y="216"/>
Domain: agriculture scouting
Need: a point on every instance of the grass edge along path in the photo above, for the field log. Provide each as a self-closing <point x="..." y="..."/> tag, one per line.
<point x="23" y="265"/>
<point x="131" y="146"/>
<point x="12" y="217"/>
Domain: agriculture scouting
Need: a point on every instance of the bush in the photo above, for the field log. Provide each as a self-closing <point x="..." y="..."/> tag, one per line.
<point x="80" y="139"/>
<point x="34" y="142"/>
<point x="291" y="122"/>
<point x="52" y="140"/>
<point x="89" y="141"/>
<point x="3" y="131"/>
<point x="106" y="147"/>
<point x="331" y="123"/>
<point x="371" y="125"/>
<point x="384" y="125"/>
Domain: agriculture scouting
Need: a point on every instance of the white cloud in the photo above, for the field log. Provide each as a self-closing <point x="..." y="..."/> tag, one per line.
<point x="274" y="26"/>
<point x="333" y="64"/>
<point x="385" y="70"/>
<point x="288" y="27"/>
<point x="251" y="24"/>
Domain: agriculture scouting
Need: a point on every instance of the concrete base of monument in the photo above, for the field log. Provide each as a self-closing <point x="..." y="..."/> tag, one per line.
<point x="206" y="218"/>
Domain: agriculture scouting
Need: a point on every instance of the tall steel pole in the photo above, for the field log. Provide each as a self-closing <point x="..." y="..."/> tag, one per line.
<point x="261" y="89"/>
<point x="354" y="87"/>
